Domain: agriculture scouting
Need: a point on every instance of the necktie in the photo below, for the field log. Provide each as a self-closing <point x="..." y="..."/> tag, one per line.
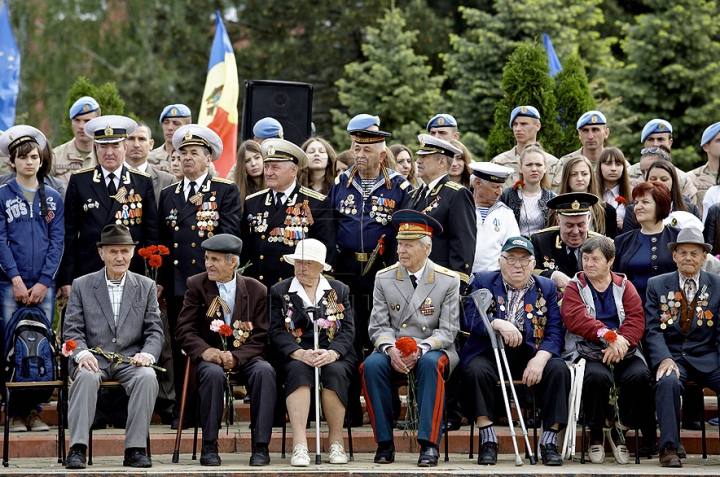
<point x="689" y="291"/>
<point x="112" y="188"/>
<point x="573" y="258"/>
<point x="413" y="279"/>
<point x="278" y="200"/>
<point x="192" y="190"/>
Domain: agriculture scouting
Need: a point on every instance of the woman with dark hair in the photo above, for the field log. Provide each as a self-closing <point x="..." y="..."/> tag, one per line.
<point x="643" y="252"/>
<point x="614" y="182"/>
<point x="248" y="172"/>
<point x="460" y="169"/>
<point x="344" y="161"/>
<point x="664" y="172"/>
<point x="405" y="163"/>
<point x="577" y="176"/>
<point x="529" y="196"/>
<point x="176" y="166"/>
<point x="321" y="164"/>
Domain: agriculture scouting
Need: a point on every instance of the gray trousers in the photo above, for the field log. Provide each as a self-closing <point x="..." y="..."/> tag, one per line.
<point x="140" y="384"/>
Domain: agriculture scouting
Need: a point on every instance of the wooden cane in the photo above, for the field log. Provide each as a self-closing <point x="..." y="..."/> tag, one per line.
<point x="178" y="436"/>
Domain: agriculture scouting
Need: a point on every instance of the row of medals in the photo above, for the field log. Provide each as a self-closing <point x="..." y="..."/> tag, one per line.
<point x="207" y="217"/>
<point x="381" y="210"/>
<point x="131" y="212"/>
<point x="665" y="307"/>
<point x="295" y="229"/>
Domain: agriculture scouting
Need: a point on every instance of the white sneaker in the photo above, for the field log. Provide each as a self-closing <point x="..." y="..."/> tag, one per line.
<point x="35" y="422"/>
<point x="17" y="424"/>
<point x="300" y="456"/>
<point x="337" y="453"/>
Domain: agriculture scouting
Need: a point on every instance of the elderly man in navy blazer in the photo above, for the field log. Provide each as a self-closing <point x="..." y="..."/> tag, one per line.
<point x="681" y="321"/>
<point x="525" y="311"/>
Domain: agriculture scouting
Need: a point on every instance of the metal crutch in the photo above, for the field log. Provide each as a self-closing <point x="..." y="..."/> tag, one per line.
<point x="482" y="299"/>
<point x="312" y="311"/>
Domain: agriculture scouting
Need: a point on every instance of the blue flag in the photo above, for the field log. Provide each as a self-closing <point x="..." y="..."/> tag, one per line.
<point x="553" y="60"/>
<point x="9" y="70"/>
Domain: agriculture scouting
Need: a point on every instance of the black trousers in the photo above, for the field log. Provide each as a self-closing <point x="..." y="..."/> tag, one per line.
<point x="551" y="393"/>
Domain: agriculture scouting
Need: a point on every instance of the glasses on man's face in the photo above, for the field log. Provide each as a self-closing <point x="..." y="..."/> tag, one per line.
<point x="524" y="262"/>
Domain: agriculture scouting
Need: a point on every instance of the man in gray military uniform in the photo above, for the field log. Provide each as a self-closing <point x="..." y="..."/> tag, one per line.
<point x="173" y="116"/>
<point x="417" y="299"/>
<point x="592" y="130"/>
<point x="139" y="146"/>
<point x="78" y="153"/>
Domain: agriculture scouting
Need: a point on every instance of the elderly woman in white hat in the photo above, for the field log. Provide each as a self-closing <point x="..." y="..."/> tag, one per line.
<point x="291" y="331"/>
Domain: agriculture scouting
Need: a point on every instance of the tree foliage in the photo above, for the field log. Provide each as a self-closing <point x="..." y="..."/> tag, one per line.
<point x="573" y="100"/>
<point x="106" y="95"/>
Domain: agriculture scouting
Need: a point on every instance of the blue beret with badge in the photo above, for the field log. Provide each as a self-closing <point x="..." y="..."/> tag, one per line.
<point x="655" y="126"/>
<point x="441" y="121"/>
<point x="84" y="105"/>
<point x="196" y="135"/>
<point x="110" y="128"/>
<point x="363" y="121"/>
<point x="268" y="128"/>
<point x="528" y="111"/>
<point x="710" y="133"/>
<point x="591" y="117"/>
<point x="433" y="145"/>
<point x="175" y="111"/>
<point x="21" y="134"/>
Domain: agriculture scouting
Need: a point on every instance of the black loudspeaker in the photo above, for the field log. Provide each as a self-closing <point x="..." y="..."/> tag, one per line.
<point x="290" y="103"/>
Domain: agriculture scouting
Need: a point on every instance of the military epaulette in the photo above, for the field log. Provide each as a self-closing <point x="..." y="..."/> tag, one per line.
<point x="404" y="185"/>
<point x="87" y="169"/>
<point x="594" y="234"/>
<point x="445" y="271"/>
<point x="140" y="173"/>
<point x="452" y="185"/>
<point x="391" y="267"/>
<point x="311" y="193"/>
<point x="264" y="191"/>
<point x="337" y="180"/>
<point x="548" y="229"/>
<point x="171" y="185"/>
<point x="221" y="180"/>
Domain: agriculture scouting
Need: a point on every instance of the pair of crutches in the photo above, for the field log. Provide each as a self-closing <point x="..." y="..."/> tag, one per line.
<point x="577" y="374"/>
<point x="482" y="299"/>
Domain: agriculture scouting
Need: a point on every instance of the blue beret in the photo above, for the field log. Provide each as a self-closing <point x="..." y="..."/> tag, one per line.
<point x="268" y="128"/>
<point x="175" y="111"/>
<point x="655" y="126"/>
<point x="591" y="117"/>
<point x="363" y="121"/>
<point x="528" y="111"/>
<point x="84" y="105"/>
<point x="710" y="133"/>
<point x="441" y="121"/>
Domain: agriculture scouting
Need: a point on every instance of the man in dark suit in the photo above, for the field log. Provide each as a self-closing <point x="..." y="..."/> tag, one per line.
<point x="277" y="218"/>
<point x="681" y="313"/>
<point x="117" y="311"/>
<point x="557" y="249"/>
<point x="240" y="302"/>
<point x="447" y="202"/>
<point x="109" y="193"/>
<point x="526" y="313"/>
<point x="192" y="211"/>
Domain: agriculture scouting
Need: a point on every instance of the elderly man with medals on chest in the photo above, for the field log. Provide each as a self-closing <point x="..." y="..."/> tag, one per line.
<point x="681" y="334"/>
<point x="413" y="325"/>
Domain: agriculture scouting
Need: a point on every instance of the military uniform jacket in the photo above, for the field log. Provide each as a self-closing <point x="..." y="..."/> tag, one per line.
<point x="551" y="254"/>
<point x="699" y="347"/>
<point x="67" y="160"/>
<point x="452" y="205"/>
<point x="269" y="233"/>
<point x="703" y="179"/>
<point x="511" y="159"/>
<point x="185" y="224"/>
<point x="89" y="208"/>
<point x="429" y="313"/>
<point x="160" y="159"/>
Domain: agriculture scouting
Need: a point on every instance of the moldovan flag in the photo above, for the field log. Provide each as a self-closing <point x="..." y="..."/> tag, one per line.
<point x="218" y="110"/>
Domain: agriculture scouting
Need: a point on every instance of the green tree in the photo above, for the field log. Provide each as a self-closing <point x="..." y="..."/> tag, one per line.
<point x="393" y="83"/>
<point x="525" y="81"/>
<point x="573" y="99"/>
<point x="106" y="95"/>
<point x="671" y="72"/>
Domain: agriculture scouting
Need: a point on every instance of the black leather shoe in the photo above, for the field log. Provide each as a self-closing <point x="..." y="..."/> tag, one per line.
<point x="550" y="454"/>
<point x="209" y="454"/>
<point x="692" y="426"/>
<point x="451" y="426"/>
<point x="135" y="457"/>
<point x="260" y="455"/>
<point x="681" y="452"/>
<point x="488" y="454"/>
<point x="649" y="451"/>
<point x="385" y="454"/>
<point x="76" y="457"/>
<point x="428" y="456"/>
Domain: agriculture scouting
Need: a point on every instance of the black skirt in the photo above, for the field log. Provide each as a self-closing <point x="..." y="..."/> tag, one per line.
<point x="334" y="376"/>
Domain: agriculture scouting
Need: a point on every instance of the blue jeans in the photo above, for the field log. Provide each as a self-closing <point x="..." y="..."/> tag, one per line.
<point x="23" y="402"/>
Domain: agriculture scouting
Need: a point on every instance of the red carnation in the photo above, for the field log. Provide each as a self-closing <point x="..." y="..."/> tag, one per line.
<point x="144" y="253"/>
<point x="70" y="345"/>
<point x="225" y="330"/>
<point x="406" y="346"/>
<point x="610" y="336"/>
<point x="152" y="248"/>
<point x="163" y="250"/>
<point x="518" y="185"/>
<point x="155" y="261"/>
<point x="621" y="200"/>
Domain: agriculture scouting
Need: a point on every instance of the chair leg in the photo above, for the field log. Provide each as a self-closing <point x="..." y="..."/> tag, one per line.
<point x="6" y="442"/>
<point x="349" y="429"/>
<point x="582" y="440"/>
<point x="447" y="433"/>
<point x="637" y="445"/>
<point x="195" y="435"/>
<point x="90" y="462"/>
<point x="472" y="438"/>
<point x="148" y="445"/>
<point x="284" y="437"/>
<point x="702" y="423"/>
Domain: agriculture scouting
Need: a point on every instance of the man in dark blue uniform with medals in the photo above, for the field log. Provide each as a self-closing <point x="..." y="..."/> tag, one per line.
<point x="191" y="211"/>
<point x="449" y="203"/>
<point x="275" y="219"/>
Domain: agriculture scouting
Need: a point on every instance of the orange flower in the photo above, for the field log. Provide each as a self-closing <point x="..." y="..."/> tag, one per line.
<point x="153" y="248"/>
<point x="163" y="250"/>
<point x="144" y="253"/>
<point x="610" y="336"/>
<point x="528" y="307"/>
<point x="225" y="330"/>
<point x="155" y="261"/>
<point x="406" y="346"/>
<point x="70" y="345"/>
